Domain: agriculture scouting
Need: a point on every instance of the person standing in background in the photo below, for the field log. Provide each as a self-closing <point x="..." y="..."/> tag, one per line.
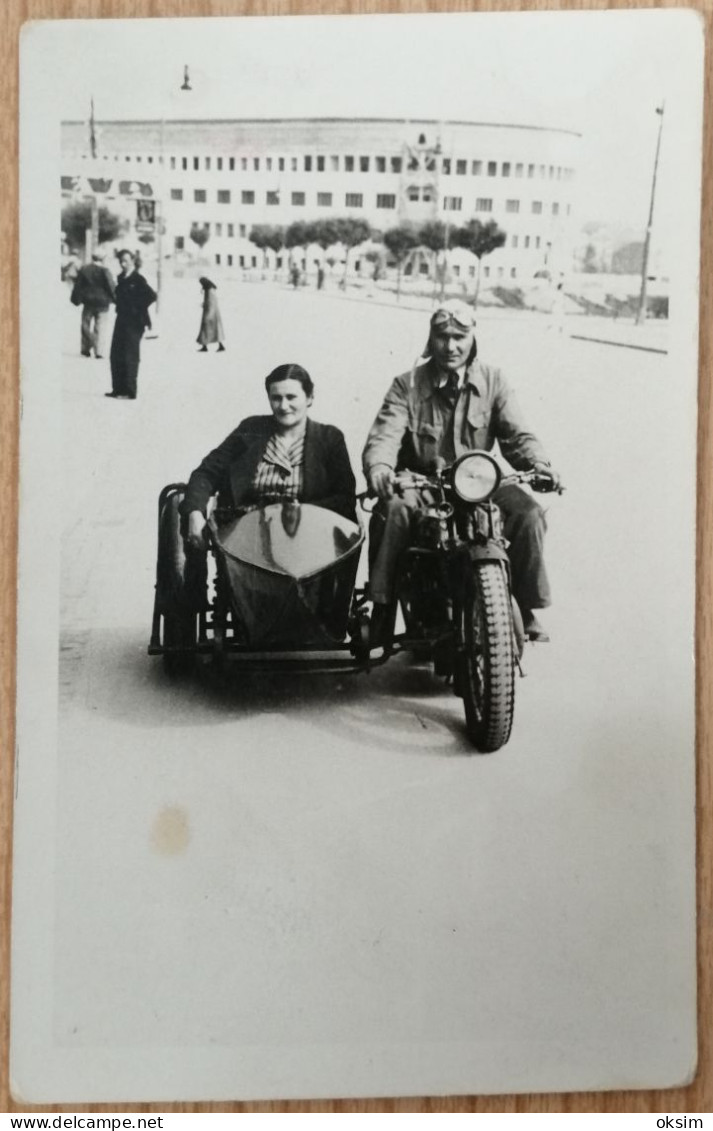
<point x="134" y="296"/>
<point x="211" y="323"/>
<point x="93" y="290"/>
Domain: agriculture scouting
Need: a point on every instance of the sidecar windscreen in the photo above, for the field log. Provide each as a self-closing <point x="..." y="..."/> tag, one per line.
<point x="298" y="540"/>
<point x="291" y="571"/>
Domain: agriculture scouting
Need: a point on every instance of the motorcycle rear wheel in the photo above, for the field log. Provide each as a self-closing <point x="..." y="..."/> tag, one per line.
<point x="487" y="678"/>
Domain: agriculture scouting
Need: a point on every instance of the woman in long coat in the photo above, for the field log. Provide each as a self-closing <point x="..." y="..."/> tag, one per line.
<point x="211" y="323"/>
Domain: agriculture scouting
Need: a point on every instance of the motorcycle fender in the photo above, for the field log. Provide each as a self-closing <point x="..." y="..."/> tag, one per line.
<point x="489" y="553"/>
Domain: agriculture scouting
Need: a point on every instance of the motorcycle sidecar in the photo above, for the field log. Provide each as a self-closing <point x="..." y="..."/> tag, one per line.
<point x="283" y="578"/>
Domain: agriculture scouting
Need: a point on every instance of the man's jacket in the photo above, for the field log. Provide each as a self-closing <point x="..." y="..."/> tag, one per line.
<point x="134" y="296"/>
<point x="409" y="430"/>
<point x="229" y="469"/>
<point x="93" y="287"/>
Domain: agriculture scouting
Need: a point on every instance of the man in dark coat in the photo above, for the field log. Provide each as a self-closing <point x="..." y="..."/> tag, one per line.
<point x="134" y="296"/>
<point x="93" y="290"/>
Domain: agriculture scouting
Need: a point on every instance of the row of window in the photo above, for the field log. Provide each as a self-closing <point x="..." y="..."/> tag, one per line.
<point x="298" y="199"/>
<point x="485" y="204"/>
<point x="348" y="163"/>
<point x="221" y="230"/>
<point x="251" y="261"/>
<point x="528" y="242"/>
<point x="385" y="200"/>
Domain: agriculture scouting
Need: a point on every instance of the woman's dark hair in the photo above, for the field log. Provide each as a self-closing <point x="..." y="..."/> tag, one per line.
<point x="291" y="372"/>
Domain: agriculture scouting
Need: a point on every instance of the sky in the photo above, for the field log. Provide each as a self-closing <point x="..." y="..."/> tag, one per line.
<point x="600" y="73"/>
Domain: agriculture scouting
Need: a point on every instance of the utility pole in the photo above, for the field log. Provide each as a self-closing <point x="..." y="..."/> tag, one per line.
<point x="92" y="132"/>
<point x="159" y="217"/>
<point x="161" y="200"/>
<point x="91" y="237"/>
<point x="641" y="315"/>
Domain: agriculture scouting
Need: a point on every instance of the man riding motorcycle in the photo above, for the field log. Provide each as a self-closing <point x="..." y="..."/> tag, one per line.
<point x="451" y="404"/>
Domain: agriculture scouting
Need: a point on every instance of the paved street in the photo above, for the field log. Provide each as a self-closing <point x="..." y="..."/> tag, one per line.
<point x="321" y="860"/>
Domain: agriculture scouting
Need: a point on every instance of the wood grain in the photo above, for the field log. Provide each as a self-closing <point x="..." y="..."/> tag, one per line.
<point x="698" y="1096"/>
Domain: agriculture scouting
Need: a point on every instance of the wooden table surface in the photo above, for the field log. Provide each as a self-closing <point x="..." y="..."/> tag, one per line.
<point x="698" y="1097"/>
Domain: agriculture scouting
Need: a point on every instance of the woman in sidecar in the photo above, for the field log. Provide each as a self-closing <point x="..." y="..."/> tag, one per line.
<point x="284" y="536"/>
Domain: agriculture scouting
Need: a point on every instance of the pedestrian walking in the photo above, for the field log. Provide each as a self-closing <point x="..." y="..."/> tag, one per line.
<point x="556" y="322"/>
<point x="93" y="290"/>
<point x="211" y="323"/>
<point x="320" y="277"/>
<point x="295" y="275"/>
<point x="134" y="296"/>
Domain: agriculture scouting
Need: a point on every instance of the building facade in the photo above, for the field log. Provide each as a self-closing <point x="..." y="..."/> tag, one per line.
<point x="226" y="176"/>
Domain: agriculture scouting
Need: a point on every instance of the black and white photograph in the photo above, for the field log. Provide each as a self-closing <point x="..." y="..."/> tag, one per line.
<point x="355" y="724"/>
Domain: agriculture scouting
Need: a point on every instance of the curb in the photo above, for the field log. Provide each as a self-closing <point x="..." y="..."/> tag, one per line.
<point x="624" y="345"/>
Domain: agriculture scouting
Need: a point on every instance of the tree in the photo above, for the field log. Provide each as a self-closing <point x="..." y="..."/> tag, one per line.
<point x="77" y="218"/>
<point x="432" y="237"/>
<point x="322" y="232"/>
<point x="199" y="235"/>
<point x="270" y="236"/>
<point x="350" y="232"/>
<point x="400" y="242"/>
<point x="297" y="234"/>
<point x="266" y="236"/>
<point x="478" y="238"/>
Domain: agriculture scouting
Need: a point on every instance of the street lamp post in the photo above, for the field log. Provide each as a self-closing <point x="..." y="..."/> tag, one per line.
<point x="160" y="203"/>
<point x="641" y="315"/>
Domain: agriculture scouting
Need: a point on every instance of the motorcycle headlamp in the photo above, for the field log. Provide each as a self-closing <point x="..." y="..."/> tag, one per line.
<point x="475" y="477"/>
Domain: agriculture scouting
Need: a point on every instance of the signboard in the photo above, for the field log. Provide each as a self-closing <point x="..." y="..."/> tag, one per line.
<point x="145" y="216"/>
<point x="145" y="213"/>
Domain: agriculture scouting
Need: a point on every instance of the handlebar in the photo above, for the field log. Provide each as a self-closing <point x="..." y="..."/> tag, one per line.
<point x="415" y="480"/>
<point x="539" y="482"/>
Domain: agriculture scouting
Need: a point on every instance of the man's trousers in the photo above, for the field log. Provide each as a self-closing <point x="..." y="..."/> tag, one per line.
<point x="524" y="527"/>
<point x="94" y="324"/>
<point x="125" y="358"/>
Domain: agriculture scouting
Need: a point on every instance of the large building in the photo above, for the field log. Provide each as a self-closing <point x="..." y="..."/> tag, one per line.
<point x="226" y="176"/>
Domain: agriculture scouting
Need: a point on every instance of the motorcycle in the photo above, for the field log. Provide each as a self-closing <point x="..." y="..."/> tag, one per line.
<point x="277" y="590"/>
<point x="454" y="590"/>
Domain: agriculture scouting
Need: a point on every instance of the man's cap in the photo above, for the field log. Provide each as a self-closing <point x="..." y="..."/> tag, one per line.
<point x="454" y="312"/>
<point x="98" y="255"/>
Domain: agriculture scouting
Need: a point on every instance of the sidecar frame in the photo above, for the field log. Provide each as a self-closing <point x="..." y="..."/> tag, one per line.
<point x="187" y="623"/>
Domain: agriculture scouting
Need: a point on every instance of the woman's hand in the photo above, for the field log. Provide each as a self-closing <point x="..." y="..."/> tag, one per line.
<point x="195" y="537"/>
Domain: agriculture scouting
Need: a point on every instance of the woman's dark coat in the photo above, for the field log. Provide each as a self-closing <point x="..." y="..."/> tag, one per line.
<point x="229" y="469"/>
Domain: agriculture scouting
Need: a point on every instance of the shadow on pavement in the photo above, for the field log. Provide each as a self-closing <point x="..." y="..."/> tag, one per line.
<point x="401" y="705"/>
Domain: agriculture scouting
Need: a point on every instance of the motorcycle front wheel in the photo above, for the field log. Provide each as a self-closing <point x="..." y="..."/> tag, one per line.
<point x="487" y="676"/>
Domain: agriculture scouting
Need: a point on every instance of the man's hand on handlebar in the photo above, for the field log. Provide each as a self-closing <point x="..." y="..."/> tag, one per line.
<point x="195" y="534"/>
<point x="547" y="479"/>
<point x="381" y="480"/>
